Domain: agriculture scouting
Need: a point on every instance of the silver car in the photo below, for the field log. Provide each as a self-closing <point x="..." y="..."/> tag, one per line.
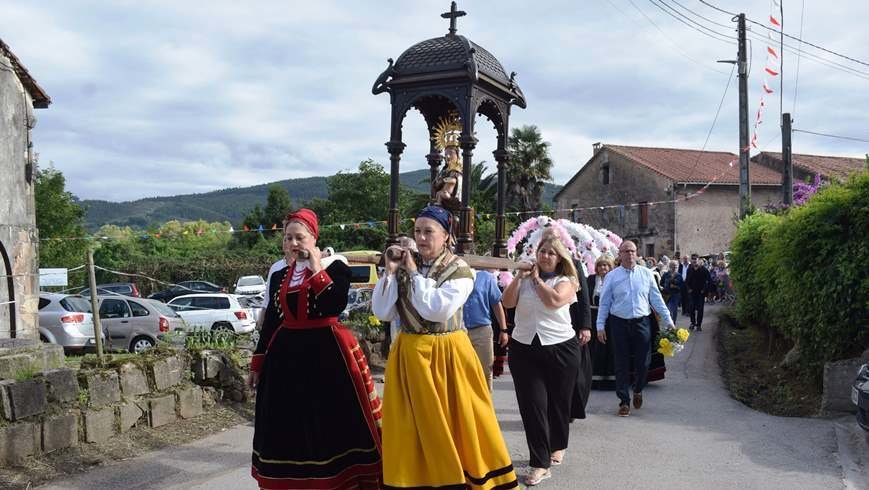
<point x="66" y="319"/>
<point x="134" y="324"/>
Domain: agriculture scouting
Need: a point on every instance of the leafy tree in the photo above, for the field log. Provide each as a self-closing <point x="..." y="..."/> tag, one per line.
<point x="529" y="168"/>
<point x="278" y="204"/>
<point x="60" y="221"/>
<point x="484" y="188"/>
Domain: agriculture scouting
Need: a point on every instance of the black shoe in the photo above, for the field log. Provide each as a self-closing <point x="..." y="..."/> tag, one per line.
<point x="691" y="327"/>
<point x="699" y="329"/>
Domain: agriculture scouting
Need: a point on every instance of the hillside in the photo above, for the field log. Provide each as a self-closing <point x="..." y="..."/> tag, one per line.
<point x="226" y="204"/>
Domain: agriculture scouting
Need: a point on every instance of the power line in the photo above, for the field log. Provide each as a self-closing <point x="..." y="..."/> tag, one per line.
<point x="704" y="2"/>
<point x="824" y="61"/>
<point x="714" y="34"/>
<point x="850" y="138"/>
<point x="671" y="41"/>
<point x="781" y="64"/>
<point x="797" y="77"/>
<point x="715" y="119"/>
<point x="702" y="17"/>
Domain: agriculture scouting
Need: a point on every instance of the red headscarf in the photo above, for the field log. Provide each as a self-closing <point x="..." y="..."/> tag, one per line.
<point x="307" y="218"/>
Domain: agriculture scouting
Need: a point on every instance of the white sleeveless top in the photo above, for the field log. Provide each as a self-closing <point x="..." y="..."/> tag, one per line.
<point x="551" y="325"/>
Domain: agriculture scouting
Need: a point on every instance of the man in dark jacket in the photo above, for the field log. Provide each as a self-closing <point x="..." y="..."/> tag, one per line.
<point x="684" y="266"/>
<point x="697" y="282"/>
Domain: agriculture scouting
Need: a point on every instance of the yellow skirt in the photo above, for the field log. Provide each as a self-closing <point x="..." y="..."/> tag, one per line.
<point x="439" y="425"/>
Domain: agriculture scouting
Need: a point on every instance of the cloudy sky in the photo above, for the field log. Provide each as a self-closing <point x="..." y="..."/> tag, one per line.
<point x="158" y="98"/>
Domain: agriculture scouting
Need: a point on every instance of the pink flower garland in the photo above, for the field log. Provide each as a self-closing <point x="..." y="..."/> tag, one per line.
<point x="532" y="225"/>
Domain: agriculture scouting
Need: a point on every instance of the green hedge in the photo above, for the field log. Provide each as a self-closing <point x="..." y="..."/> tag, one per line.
<point x="805" y="272"/>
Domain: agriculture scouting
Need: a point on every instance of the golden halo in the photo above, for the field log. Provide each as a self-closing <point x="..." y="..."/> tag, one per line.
<point x="447" y="132"/>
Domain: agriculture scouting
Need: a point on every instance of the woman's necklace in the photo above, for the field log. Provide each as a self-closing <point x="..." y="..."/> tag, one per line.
<point x="298" y="275"/>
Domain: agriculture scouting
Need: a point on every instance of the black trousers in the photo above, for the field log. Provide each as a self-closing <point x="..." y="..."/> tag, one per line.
<point x="544" y="378"/>
<point x="698" y="300"/>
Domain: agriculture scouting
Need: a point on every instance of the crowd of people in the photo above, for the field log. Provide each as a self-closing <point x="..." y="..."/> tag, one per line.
<point x="321" y="424"/>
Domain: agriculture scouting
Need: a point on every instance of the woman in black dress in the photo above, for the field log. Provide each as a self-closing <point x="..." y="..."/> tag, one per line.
<point x="317" y="413"/>
<point x="580" y="317"/>
<point x="603" y="358"/>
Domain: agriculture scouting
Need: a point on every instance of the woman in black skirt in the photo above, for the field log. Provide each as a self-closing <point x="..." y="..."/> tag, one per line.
<point x="603" y="358"/>
<point x="317" y="413"/>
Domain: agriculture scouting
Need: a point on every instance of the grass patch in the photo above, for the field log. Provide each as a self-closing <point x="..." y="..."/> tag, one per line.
<point x="750" y="358"/>
<point x="26" y="373"/>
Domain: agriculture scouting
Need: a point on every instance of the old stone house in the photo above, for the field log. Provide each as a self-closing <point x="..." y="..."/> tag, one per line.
<point x="631" y="192"/>
<point x="19" y="285"/>
<point x="640" y="193"/>
<point x="806" y="167"/>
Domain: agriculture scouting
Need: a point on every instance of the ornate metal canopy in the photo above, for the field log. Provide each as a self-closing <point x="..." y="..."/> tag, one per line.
<point x="442" y="76"/>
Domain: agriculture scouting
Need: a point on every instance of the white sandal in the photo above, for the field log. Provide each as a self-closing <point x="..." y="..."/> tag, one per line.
<point x="535" y="481"/>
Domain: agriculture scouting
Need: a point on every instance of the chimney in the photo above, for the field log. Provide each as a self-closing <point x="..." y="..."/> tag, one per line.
<point x="595" y="147"/>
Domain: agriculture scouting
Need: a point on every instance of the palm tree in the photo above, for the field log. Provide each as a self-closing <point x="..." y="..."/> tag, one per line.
<point x="529" y="168"/>
<point x="484" y="188"/>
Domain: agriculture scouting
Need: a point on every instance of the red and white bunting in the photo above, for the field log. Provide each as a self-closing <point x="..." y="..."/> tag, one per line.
<point x="771" y="69"/>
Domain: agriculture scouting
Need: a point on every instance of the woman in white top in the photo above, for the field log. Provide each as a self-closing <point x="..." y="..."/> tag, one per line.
<point x="544" y="353"/>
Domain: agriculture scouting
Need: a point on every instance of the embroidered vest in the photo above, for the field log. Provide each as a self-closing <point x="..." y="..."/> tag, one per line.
<point x="447" y="267"/>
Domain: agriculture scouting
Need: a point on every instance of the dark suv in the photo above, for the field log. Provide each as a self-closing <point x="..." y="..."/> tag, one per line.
<point x="114" y="288"/>
<point x="187" y="287"/>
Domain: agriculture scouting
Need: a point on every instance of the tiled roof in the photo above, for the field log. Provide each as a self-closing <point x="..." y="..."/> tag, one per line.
<point x="695" y="166"/>
<point x="40" y="98"/>
<point x="445" y="53"/>
<point x="826" y="166"/>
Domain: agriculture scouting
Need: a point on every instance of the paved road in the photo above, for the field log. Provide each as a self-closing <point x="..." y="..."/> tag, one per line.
<point x="689" y="435"/>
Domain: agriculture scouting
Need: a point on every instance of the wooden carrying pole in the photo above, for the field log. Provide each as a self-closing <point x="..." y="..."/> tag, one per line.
<point x="475" y="261"/>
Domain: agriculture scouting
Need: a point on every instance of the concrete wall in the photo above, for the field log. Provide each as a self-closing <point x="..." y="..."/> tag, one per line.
<point x="628" y="183"/>
<point x="18" y="235"/>
<point x="705" y="224"/>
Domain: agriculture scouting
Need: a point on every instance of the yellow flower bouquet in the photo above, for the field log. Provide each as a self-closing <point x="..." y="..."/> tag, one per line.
<point x="671" y="342"/>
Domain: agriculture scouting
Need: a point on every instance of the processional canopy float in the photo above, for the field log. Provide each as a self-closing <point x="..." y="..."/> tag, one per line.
<point x="449" y="80"/>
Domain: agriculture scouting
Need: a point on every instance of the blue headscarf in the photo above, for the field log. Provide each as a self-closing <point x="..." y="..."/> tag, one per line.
<point x="439" y="214"/>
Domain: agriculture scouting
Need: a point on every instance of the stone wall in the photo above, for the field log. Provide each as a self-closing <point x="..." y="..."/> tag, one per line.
<point x="628" y="183"/>
<point x="61" y="408"/>
<point x="18" y="235"/>
<point x="705" y="224"/>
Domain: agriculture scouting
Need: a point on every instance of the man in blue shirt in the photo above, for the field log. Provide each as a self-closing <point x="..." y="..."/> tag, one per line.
<point x="629" y="294"/>
<point x="477" y="313"/>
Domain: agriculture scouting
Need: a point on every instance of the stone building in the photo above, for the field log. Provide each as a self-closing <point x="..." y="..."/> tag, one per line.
<point x="633" y="179"/>
<point x="807" y="166"/>
<point x="631" y="190"/>
<point x="19" y="285"/>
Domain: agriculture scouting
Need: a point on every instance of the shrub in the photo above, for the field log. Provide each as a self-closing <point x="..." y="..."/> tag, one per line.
<point x="746" y="262"/>
<point x="822" y="298"/>
<point x="805" y="272"/>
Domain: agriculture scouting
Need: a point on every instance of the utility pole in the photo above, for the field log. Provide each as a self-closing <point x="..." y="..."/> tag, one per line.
<point x="787" y="160"/>
<point x="95" y="306"/>
<point x="744" y="177"/>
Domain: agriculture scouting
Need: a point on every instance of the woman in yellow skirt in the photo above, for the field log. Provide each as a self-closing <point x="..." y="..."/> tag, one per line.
<point x="439" y="425"/>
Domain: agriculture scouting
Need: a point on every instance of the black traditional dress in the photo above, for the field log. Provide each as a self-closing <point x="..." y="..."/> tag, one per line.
<point x="580" y="317"/>
<point x="317" y="413"/>
<point x="603" y="355"/>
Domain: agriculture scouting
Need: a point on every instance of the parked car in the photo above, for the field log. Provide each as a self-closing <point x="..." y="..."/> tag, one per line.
<point x="187" y="287"/>
<point x="134" y="324"/>
<point x="860" y="396"/>
<point x="362" y="275"/>
<point x="121" y="288"/>
<point x="357" y="300"/>
<point x="250" y="285"/>
<point x="214" y="312"/>
<point x="254" y="303"/>
<point x="66" y="320"/>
